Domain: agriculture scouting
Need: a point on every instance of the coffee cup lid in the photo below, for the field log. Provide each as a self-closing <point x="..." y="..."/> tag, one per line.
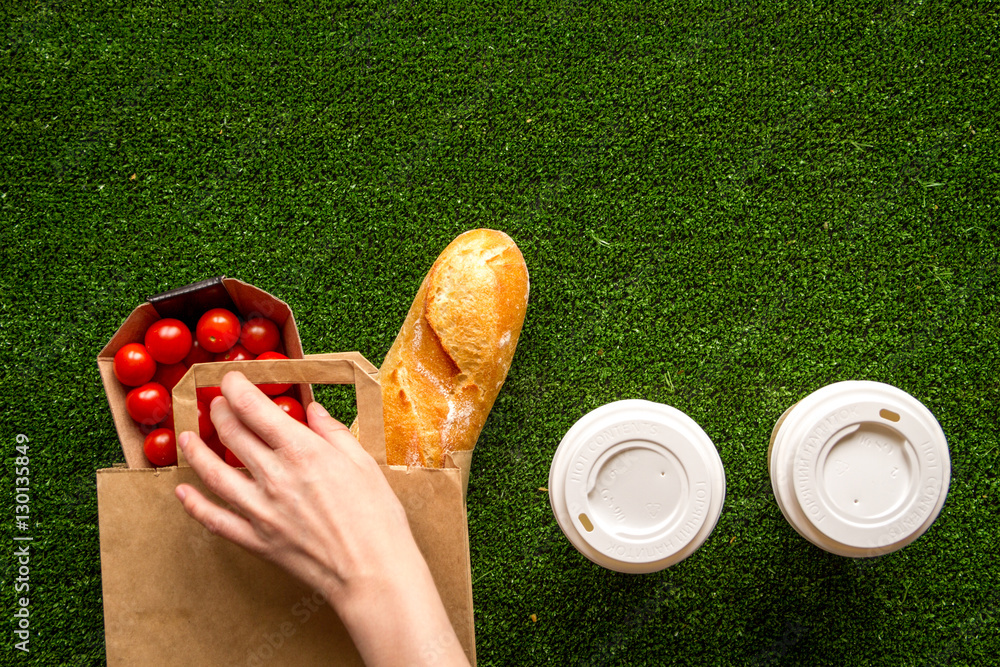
<point x="859" y="468"/>
<point x="636" y="486"/>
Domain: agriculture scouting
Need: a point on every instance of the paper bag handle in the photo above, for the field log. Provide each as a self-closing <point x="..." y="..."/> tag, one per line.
<point x="342" y="368"/>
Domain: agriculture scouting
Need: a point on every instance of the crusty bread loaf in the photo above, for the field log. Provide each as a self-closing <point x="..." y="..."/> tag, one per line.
<point x="451" y="356"/>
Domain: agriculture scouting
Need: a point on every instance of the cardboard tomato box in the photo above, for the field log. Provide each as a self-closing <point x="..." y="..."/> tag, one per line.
<point x="187" y="304"/>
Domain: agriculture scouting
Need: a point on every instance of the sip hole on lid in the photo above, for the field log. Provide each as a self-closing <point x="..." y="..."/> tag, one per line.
<point x="859" y="468"/>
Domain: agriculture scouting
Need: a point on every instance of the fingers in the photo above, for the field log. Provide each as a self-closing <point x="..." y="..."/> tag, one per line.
<point x="219" y="477"/>
<point x="326" y="426"/>
<point x="333" y="431"/>
<point x="235" y="435"/>
<point x="260" y="413"/>
<point x="217" y="520"/>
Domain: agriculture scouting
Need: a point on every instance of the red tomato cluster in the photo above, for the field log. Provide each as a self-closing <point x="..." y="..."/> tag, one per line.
<point x="156" y="365"/>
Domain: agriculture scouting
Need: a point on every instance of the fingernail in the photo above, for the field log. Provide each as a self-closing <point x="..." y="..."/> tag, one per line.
<point x="214" y="401"/>
<point x="181" y="493"/>
<point x="319" y="410"/>
<point x="184" y="438"/>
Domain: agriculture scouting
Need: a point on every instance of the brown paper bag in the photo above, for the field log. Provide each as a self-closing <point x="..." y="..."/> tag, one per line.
<point x="187" y="303"/>
<point x="174" y="594"/>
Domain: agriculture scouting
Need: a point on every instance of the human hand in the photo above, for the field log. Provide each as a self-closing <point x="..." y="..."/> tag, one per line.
<point x="318" y="505"/>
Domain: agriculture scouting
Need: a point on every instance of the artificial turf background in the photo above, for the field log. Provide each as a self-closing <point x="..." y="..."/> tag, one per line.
<point x="723" y="207"/>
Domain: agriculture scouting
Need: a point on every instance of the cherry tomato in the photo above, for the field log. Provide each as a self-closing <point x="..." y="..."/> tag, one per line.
<point x="218" y="330"/>
<point x="206" y="394"/>
<point x="148" y="404"/>
<point x="235" y="353"/>
<point x="291" y="407"/>
<point x="160" y="447"/>
<point x="260" y="335"/>
<point x="168" y="341"/>
<point x="133" y="365"/>
<point x="273" y="389"/>
<point x="169" y="375"/>
<point x="206" y="429"/>
<point x="232" y="460"/>
<point x="198" y="355"/>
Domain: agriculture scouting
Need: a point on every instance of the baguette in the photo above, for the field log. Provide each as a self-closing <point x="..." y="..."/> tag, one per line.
<point x="443" y="372"/>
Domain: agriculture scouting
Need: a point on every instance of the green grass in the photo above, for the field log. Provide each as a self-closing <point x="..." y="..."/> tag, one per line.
<point x="723" y="207"/>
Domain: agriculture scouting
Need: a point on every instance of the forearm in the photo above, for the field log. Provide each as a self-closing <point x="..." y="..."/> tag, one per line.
<point x="412" y="626"/>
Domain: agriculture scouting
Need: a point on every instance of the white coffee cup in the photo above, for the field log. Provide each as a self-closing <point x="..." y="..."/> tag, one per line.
<point x="859" y="468"/>
<point x="636" y="486"/>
